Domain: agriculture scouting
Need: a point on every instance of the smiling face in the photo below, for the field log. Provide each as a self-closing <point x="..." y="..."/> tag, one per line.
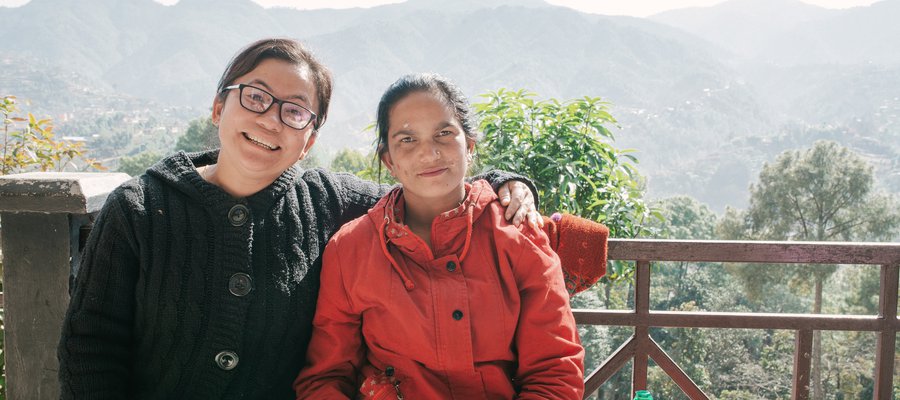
<point x="427" y="149"/>
<point x="257" y="148"/>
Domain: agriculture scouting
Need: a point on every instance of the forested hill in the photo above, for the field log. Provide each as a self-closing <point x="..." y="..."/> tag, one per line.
<point x="703" y="113"/>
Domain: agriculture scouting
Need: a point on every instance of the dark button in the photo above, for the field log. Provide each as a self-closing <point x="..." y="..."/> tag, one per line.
<point x="238" y="214"/>
<point x="451" y="266"/>
<point x="389" y="371"/>
<point x="240" y="284"/>
<point x="457" y="315"/>
<point x="227" y="360"/>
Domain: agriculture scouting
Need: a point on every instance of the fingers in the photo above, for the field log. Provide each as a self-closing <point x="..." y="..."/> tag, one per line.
<point x="537" y="220"/>
<point x="520" y="202"/>
<point x="529" y="214"/>
<point x="503" y="195"/>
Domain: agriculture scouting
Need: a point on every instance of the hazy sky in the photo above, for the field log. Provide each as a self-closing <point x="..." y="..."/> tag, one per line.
<point x="638" y="8"/>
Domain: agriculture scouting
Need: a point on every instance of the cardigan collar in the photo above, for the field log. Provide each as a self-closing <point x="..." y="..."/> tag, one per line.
<point x="180" y="171"/>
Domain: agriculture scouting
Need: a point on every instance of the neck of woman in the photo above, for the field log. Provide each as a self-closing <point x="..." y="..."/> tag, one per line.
<point x="232" y="183"/>
<point x="420" y="212"/>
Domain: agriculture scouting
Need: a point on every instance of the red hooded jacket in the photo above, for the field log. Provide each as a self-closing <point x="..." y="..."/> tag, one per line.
<point x="485" y="316"/>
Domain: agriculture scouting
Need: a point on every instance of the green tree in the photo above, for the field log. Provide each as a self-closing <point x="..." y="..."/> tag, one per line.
<point x="565" y="147"/>
<point x="349" y="160"/>
<point x="201" y="135"/>
<point x="824" y="193"/>
<point x="684" y="218"/>
<point x="139" y="163"/>
<point x="30" y="144"/>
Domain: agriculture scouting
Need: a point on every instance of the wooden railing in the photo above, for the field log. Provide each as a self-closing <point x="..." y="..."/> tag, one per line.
<point x="641" y="347"/>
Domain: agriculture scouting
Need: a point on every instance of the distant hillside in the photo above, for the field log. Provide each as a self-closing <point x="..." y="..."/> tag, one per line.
<point x="790" y="32"/>
<point x="699" y="106"/>
<point x="744" y="26"/>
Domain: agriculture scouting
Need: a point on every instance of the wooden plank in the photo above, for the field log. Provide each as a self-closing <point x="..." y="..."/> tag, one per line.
<point x="754" y="252"/>
<point x="885" y="347"/>
<point x="641" y="330"/>
<point x="802" y="362"/>
<point x="641" y="361"/>
<point x="681" y="319"/>
<point x="684" y="382"/>
<point x="642" y="288"/>
<point x="609" y="367"/>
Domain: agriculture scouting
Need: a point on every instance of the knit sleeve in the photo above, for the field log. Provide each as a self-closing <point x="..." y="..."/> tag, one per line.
<point x="550" y="358"/>
<point x="355" y="195"/>
<point x="497" y="178"/>
<point x="336" y="350"/>
<point x="95" y="348"/>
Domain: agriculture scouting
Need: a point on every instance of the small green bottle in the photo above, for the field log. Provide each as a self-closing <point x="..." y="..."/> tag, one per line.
<point x="643" y="395"/>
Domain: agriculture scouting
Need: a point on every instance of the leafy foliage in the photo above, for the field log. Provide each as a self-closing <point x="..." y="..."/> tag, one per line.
<point x="349" y="160"/>
<point x="200" y="135"/>
<point x="29" y="144"/>
<point x="136" y="165"/>
<point x="565" y="148"/>
<point x="823" y="193"/>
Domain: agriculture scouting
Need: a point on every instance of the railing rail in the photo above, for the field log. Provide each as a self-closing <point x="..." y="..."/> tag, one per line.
<point x="641" y="347"/>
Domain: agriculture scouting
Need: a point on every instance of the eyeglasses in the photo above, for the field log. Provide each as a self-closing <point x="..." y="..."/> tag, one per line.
<point x="260" y="101"/>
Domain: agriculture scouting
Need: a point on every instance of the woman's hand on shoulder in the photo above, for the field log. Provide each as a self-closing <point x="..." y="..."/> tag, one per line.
<point x="519" y="203"/>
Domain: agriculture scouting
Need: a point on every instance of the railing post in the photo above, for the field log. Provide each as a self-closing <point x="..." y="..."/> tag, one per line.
<point x="642" y="327"/>
<point x="41" y="215"/>
<point x="885" y="347"/>
<point x="802" y="360"/>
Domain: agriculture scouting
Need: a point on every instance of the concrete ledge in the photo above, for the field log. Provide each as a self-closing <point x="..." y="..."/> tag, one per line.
<point x="57" y="192"/>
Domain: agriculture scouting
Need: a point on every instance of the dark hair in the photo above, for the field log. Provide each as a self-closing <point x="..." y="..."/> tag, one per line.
<point x="433" y="83"/>
<point x="288" y="50"/>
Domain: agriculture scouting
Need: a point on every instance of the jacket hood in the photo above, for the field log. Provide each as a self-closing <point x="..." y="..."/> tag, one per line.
<point x="451" y="231"/>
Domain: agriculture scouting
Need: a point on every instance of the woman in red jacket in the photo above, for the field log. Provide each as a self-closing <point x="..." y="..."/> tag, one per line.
<point x="433" y="295"/>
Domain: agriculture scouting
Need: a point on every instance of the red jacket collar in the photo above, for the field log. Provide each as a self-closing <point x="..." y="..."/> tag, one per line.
<point x="451" y="231"/>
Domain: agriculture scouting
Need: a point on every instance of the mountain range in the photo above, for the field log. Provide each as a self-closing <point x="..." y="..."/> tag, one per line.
<point x="705" y="95"/>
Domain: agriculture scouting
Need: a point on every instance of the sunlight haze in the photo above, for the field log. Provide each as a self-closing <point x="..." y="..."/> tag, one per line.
<point x="636" y="8"/>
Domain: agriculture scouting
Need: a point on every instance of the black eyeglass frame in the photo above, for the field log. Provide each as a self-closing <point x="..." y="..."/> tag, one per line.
<point x="275" y="100"/>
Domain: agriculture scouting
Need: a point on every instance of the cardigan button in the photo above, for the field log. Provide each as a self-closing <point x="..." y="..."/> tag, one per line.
<point x="457" y="315"/>
<point x="240" y="284"/>
<point x="238" y="214"/>
<point x="227" y="360"/>
<point x="451" y="266"/>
